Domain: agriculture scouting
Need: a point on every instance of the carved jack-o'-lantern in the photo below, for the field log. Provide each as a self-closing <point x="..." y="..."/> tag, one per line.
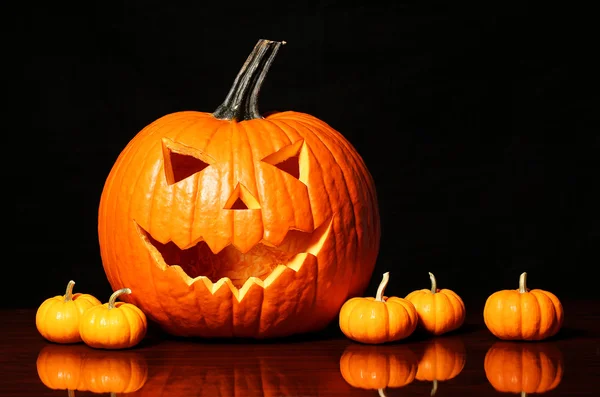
<point x="230" y="224"/>
<point x="78" y="367"/>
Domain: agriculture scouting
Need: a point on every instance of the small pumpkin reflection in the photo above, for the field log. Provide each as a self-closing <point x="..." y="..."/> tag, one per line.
<point x="80" y="368"/>
<point x="185" y="368"/>
<point x="443" y="358"/>
<point x="524" y="368"/>
<point x="378" y="367"/>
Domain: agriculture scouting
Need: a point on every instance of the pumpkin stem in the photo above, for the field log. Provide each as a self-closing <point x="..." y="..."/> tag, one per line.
<point x="69" y="292"/>
<point x="382" y="285"/>
<point x="433" y="283"/>
<point x="523" y="283"/>
<point x="70" y="393"/>
<point x="381" y="393"/>
<point x="434" y="387"/>
<point x="115" y="295"/>
<point x="241" y="102"/>
<point x="523" y="394"/>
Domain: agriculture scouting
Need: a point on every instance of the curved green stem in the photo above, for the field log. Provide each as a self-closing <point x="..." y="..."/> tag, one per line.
<point x="382" y="285"/>
<point x="115" y="295"/>
<point x="69" y="292"/>
<point x="434" y="387"/>
<point x="241" y="102"/>
<point x="433" y="283"/>
<point x="523" y="283"/>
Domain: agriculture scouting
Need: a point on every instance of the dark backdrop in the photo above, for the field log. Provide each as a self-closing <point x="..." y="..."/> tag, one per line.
<point x="475" y="122"/>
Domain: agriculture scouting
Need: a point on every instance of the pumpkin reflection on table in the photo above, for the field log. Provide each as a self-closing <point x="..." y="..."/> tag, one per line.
<point x="395" y="365"/>
<point x="443" y="358"/>
<point x="524" y="368"/>
<point x="378" y="367"/>
<point x="81" y="368"/>
<point x="302" y="368"/>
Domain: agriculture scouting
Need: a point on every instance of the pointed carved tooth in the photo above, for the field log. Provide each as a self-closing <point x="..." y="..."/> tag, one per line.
<point x="291" y="314"/>
<point x="297" y="261"/>
<point x="275" y="274"/>
<point x="212" y="308"/>
<point x="247" y="308"/>
<point x="187" y="279"/>
<point x="183" y="242"/>
<point x="251" y="282"/>
<point x="319" y="237"/>
<point x="216" y="243"/>
<point x="154" y="253"/>
<point x="205" y="280"/>
<point x="214" y="288"/>
<point x="179" y="241"/>
<point x="274" y="239"/>
<point x="224" y="282"/>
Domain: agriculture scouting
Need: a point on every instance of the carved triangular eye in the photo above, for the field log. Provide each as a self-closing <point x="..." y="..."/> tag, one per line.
<point x="287" y="159"/>
<point x="182" y="161"/>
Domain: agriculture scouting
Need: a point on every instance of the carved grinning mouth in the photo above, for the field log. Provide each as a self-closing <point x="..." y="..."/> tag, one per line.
<point x="260" y="262"/>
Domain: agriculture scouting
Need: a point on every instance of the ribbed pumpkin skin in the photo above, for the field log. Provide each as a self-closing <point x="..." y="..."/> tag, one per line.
<point x="334" y="192"/>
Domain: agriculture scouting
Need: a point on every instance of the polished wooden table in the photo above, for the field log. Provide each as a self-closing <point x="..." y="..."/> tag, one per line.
<point x="470" y="362"/>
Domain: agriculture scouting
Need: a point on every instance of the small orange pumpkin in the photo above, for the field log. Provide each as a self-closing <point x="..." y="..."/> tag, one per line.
<point x="79" y="368"/>
<point x="379" y="319"/>
<point x="113" y="325"/>
<point x="525" y="368"/>
<point x="443" y="359"/>
<point x="523" y="314"/>
<point x="440" y="310"/>
<point x="379" y="367"/>
<point x="57" y="319"/>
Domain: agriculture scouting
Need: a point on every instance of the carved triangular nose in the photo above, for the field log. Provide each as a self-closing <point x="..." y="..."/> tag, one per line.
<point x="241" y="199"/>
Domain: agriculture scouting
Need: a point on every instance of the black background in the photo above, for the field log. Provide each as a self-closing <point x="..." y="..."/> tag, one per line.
<point x="475" y="122"/>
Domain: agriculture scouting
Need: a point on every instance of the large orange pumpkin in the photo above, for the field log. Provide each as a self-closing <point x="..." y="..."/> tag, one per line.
<point x="229" y="224"/>
<point x="524" y="368"/>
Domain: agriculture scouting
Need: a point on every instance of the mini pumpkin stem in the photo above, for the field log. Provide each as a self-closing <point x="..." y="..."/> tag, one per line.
<point x="382" y="285"/>
<point x="433" y="283"/>
<point x="434" y="387"/>
<point x="70" y="393"/>
<point x="241" y="102"/>
<point x="115" y="295"/>
<point x="523" y="394"/>
<point x="523" y="283"/>
<point x="381" y="392"/>
<point x="69" y="292"/>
